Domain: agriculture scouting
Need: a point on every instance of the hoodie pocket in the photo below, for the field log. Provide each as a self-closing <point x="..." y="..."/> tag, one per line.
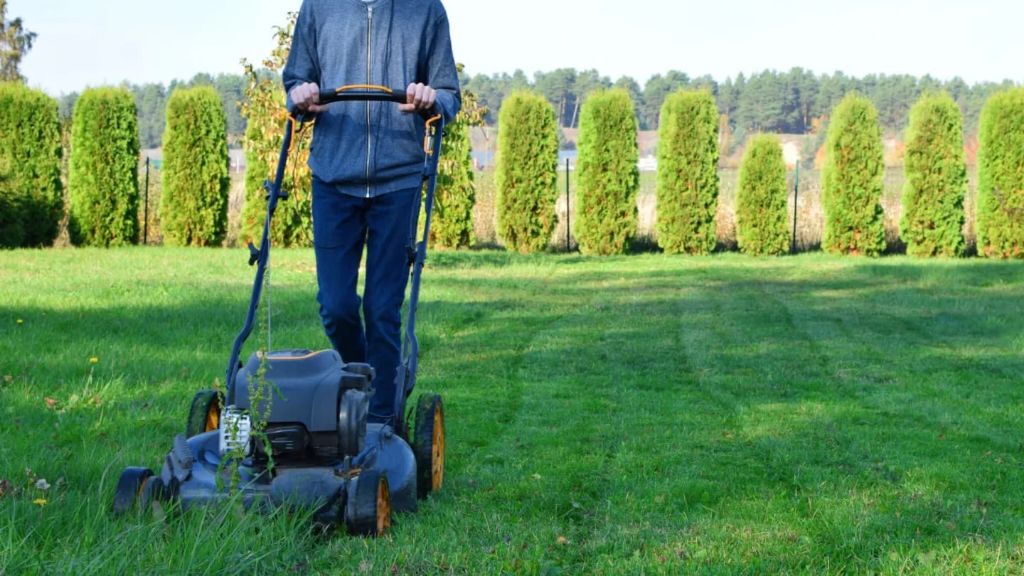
<point x="400" y="147"/>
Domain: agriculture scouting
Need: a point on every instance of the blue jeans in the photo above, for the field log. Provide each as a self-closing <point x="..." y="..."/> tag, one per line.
<point x="342" y="226"/>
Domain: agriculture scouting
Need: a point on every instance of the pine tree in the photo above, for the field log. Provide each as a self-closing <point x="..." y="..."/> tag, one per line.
<point x="15" y="42"/>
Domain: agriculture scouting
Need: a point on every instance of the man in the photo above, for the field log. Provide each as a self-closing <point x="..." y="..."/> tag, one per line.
<point x="367" y="161"/>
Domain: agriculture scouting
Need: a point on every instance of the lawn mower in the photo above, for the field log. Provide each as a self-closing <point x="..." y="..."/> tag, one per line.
<point x="317" y="449"/>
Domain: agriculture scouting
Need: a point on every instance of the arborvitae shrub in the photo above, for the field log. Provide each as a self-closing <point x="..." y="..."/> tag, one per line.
<point x="852" y="180"/>
<point x="687" y="186"/>
<point x="104" y="182"/>
<point x="12" y="231"/>
<point x="761" y="218"/>
<point x="455" y="195"/>
<point x="31" y="195"/>
<point x="194" y="202"/>
<point x="936" y="179"/>
<point x="1001" y="176"/>
<point x="527" y="169"/>
<point x="607" y="175"/>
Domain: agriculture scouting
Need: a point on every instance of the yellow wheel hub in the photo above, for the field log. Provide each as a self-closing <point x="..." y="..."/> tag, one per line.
<point x="212" y="417"/>
<point x="437" y="452"/>
<point x="383" y="506"/>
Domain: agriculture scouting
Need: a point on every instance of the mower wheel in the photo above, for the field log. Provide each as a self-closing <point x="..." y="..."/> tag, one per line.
<point x="368" y="510"/>
<point x="428" y="445"/>
<point x="153" y="490"/>
<point x="129" y="488"/>
<point x="204" y="414"/>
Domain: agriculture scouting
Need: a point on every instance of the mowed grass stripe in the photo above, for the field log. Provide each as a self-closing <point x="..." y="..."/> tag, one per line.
<point x="732" y="343"/>
<point x="880" y="325"/>
<point x="533" y="484"/>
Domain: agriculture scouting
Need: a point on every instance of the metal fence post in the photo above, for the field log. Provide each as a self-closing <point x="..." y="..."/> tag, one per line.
<point x="145" y="218"/>
<point x="568" y="217"/>
<point x="796" y="196"/>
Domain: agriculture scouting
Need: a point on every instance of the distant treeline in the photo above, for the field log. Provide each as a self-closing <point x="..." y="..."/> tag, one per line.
<point x="151" y="103"/>
<point x="794" y="102"/>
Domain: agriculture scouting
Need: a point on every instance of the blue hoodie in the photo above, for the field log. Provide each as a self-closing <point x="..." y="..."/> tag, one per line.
<point x="370" y="148"/>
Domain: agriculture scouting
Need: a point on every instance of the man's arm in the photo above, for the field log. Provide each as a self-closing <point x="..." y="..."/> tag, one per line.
<point x="441" y="73"/>
<point x="301" y="73"/>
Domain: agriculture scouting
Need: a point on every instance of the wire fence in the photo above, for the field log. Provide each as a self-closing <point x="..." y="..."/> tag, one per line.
<point x="809" y="226"/>
<point x="810" y="213"/>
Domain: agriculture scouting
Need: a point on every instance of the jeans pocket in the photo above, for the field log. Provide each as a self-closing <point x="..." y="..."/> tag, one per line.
<point x="329" y="216"/>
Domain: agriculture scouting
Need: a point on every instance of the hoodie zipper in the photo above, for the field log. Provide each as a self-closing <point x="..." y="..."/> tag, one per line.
<point x="369" y="80"/>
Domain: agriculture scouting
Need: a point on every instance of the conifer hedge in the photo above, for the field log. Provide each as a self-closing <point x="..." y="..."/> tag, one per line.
<point x="607" y="175"/>
<point x="527" y="169"/>
<point x="12" y="231"/>
<point x="1001" y="176"/>
<point x="194" y="202"/>
<point x="852" y="180"/>
<point x="104" y="183"/>
<point x="452" y="225"/>
<point x="31" y="195"/>
<point x="761" y="217"/>
<point x="935" y="169"/>
<point x="687" y="187"/>
<point x="455" y="195"/>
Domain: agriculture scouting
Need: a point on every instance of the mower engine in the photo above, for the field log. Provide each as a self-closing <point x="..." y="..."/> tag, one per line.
<point x="318" y="407"/>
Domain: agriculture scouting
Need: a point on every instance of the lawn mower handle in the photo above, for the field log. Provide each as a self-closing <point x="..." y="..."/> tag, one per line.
<point x="362" y="93"/>
<point x="357" y="93"/>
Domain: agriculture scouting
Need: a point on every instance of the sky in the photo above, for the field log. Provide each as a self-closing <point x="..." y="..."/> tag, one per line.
<point x="85" y="43"/>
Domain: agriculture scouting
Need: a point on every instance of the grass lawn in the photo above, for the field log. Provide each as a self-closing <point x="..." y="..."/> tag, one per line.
<point x="637" y="415"/>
